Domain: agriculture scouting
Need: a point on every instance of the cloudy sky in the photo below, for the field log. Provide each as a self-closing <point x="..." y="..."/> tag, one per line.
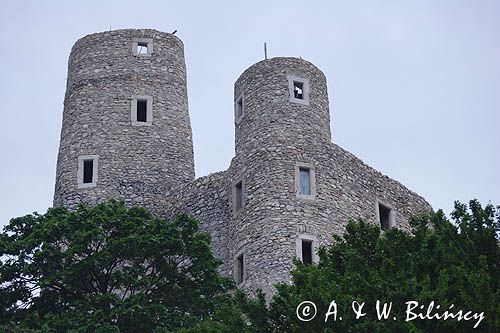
<point x="414" y="86"/>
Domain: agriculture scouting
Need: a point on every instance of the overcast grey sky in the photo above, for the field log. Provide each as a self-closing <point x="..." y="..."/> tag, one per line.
<point x="414" y="86"/>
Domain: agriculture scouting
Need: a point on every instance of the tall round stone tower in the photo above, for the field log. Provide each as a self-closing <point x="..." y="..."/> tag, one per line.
<point x="126" y="132"/>
<point x="282" y="126"/>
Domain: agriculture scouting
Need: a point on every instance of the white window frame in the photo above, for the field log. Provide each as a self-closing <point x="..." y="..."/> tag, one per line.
<point x="149" y="110"/>
<point x="314" y="246"/>
<point x="392" y="213"/>
<point x="135" y="44"/>
<point x="306" y="89"/>
<point x="312" y="180"/>
<point x="237" y="118"/>
<point x="79" y="175"/>
<point x="236" y="272"/>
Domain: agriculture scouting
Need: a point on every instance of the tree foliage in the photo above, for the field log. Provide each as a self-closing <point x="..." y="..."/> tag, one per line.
<point x="107" y="269"/>
<point x="449" y="262"/>
<point x="112" y="269"/>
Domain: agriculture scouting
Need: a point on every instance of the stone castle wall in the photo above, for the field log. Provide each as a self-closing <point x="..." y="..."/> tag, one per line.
<point x="206" y="199"/>
<point x="275" y="135"/>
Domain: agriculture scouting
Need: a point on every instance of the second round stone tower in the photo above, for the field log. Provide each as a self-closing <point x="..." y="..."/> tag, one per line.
<point x="126" y="132"/>
<point x="282" y="128"/>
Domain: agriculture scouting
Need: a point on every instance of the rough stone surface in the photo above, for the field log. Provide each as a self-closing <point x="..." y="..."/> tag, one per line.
<point x="273" y="136"/>
<point x="135" y="163"/>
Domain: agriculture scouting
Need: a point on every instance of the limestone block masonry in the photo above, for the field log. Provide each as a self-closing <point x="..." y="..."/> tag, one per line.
<point x="287" y="186"/>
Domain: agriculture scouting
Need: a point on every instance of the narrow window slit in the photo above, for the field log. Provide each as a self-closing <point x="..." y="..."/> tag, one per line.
<point x="305" y="181"/>
<point x="385" y="216"/>
<point x="240" y="269"/>
<point x="88" y="171"/>
<point x="239" y="108"/>
<point x="238" y="191"/>
<point x="306" y="251"/>
<point x="142" y="110"/>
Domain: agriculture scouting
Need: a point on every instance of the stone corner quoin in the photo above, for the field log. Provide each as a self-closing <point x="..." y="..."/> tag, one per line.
<point x="287" y="190"/>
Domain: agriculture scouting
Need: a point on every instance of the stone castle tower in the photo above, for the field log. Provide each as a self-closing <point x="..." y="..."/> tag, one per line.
<point x="125" y="117"/>
<point x="126" y="135"/>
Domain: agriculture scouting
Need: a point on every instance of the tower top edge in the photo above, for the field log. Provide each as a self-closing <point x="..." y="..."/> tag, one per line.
<point x="283" y="62"/>
<point x="133" y="33"/>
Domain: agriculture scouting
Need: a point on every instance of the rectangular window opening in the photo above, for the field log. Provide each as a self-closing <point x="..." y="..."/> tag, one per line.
<point x="142" y="106"/>
<point x="240" y="269"/>
<point x="88" y="171"/>
<point x="239" y="108"/>
<point x="305" y="181"/>
<point x="307" y="251"/>
<point x="142" y="48"/>
<point x="238" y="192"/>
<point x="385" y="215"/>
<point x="298" y="89"/>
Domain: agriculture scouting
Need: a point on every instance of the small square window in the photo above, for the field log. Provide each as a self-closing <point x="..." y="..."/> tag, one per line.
<point x="142" y="46"/>
<point x="141" y="112"/>
<point x="306" y="248"/>
<point x="87" y="171"/>
<point x="307" y="254"/>
<point x="239" y="108"/>
<point x="240" y="269"/>
<point x="298" y="89"/>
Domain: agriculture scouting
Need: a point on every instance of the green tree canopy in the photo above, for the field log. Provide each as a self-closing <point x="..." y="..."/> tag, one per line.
<point x="449" y="262"/>
<point x="107" y="269"/>
<point x="110" y="269"/>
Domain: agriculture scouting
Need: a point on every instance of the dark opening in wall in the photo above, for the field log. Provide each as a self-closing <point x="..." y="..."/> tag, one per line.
<point x="142" y="48"/>
<point x="239" y="108"/>
<point x="142" y="105"/>
<point x="238" y="193"/>
<point x="306" y="251"/>
<point x="385" y="216"/>
<point x="88" y="171"/>
<point x="240" y="269"/>
<point x="298" y="89"/>
<point x="305" y="181"/>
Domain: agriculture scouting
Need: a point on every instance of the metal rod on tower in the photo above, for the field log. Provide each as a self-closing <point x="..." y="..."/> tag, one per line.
<point x="265" y="50"/>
